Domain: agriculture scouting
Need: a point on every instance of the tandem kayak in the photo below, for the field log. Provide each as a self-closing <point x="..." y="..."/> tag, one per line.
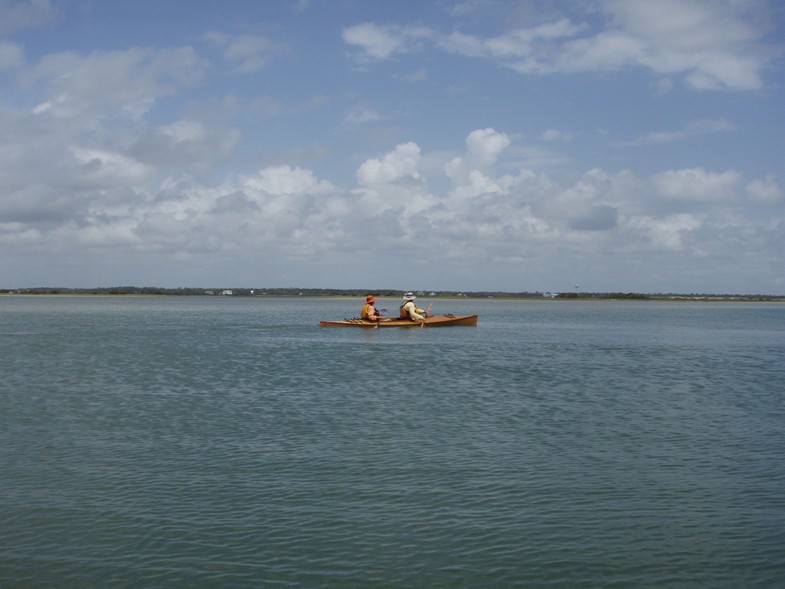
<point x="432" y="321"/>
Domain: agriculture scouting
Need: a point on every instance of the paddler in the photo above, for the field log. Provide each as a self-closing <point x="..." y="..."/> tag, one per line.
<point x="409" y="310"/>
<point x="369" y="312"/>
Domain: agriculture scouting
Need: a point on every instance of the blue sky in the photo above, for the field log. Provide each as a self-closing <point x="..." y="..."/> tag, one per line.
<point x="623" y="145"/>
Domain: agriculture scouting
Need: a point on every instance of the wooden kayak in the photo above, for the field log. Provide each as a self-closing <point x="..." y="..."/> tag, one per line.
<point x="433" y="321"/>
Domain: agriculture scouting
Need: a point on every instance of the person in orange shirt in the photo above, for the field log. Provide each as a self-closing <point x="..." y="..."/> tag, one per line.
<point x="369" y="312"/>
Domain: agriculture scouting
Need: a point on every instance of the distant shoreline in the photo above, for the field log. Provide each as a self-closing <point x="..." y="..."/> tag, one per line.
<point x="355" y="293"/>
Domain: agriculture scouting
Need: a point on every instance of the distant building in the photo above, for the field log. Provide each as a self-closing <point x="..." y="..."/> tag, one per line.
<point x="227" y="293"/>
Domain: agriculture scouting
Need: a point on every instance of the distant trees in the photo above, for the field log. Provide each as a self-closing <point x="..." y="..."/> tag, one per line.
<point x="387" y="293"/>
<point x="620" y="295"/>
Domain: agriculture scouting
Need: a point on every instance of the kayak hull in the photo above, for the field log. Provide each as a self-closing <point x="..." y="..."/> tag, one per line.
<point x="434" y="321"/>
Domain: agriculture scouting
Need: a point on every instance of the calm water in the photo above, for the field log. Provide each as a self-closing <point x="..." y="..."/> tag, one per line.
<point x="231" y="442"/>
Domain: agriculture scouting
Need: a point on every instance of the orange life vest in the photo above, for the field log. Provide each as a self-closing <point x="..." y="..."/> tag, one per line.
<point x="369" y="312"/>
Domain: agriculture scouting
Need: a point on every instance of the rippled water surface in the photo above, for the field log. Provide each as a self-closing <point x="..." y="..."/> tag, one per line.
<point x="231" y="442"/>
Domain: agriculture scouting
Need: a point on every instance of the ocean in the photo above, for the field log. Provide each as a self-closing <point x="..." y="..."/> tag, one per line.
<point x="189" y="442"/>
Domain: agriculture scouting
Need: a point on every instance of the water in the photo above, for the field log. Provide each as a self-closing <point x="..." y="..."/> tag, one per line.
<point x="231" y="442"/>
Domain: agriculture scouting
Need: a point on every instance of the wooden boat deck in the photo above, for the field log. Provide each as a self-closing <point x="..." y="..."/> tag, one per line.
<point x="434" y="321"/>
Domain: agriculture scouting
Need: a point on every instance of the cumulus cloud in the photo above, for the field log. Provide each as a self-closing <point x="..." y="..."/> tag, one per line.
<point x="107" y="200"/>
<point x="585" y="206"/>
<point x="82" y="164"/>
<point x="483" y="148"/>
<point x="401" y="163"/>
<point x="287" y="180"/>
<point x="485" y="145"/>
<point x="665" y="233"/>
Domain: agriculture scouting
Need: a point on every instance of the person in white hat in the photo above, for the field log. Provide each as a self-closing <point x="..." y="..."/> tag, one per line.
<point x="409" y="310"/>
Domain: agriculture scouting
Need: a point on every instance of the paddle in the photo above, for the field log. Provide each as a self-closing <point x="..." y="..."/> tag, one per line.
<point x="428" y="310"/>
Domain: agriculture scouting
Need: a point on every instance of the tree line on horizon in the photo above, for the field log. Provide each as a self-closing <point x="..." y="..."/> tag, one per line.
<point x="388" y="293"/>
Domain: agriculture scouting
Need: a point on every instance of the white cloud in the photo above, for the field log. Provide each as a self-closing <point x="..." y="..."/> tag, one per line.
<point x="106" y="169"/>
<point x="765" y="190"/>
<point x="399" y="164"/>
<point x="518" y="44"/>
<point x="712" y="44"/>
<point x="155" y="151"/>
<point x="715" y="43"/>
<point x="664" y="233"/>
<point x="287" y="180"/>
<point x="378" y="42"/>
<point x="106" y="200"/>
<point x="127" y="82"/>
<point x="375" y="41"/>
<point x="583" y="206"/>
<point x="476" y="185"/>
<point x="698" y="185"/>
<point x="483" y="147"/>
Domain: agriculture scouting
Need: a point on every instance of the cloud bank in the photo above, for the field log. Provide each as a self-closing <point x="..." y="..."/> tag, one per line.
<point x="113" y="204"/>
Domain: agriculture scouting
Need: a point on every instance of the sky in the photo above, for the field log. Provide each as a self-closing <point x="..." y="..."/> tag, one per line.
<point x="477" y="145"/>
